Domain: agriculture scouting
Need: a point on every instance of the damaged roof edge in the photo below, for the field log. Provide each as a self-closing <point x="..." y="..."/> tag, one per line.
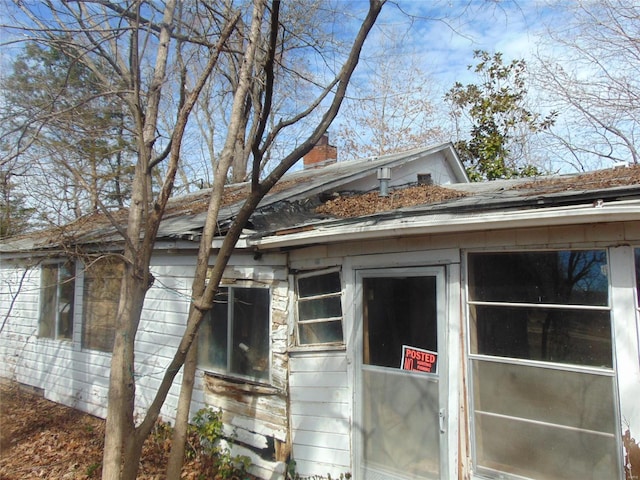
<point x="379" y="227"/>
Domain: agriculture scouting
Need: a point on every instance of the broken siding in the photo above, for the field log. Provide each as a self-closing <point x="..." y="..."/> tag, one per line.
<point x="320" y="413"/>
<point x="320" y="391"/>
<point x="256" y="414"/>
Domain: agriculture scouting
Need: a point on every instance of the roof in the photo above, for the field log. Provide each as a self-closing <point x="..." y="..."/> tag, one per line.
<point x="328" y="203"/>
<point x="595" y="197"/>
<point x="299" y="191"/>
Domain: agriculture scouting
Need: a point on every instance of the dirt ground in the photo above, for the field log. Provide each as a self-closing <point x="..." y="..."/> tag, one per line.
<point x="42" y="439"/>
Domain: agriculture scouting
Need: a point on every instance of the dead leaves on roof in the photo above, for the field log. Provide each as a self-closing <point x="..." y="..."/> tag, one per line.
<point x="371" y="202"/>
<point x="612" y="177"/>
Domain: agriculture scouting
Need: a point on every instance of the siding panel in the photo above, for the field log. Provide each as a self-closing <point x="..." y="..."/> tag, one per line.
<point x="320" y="413"/>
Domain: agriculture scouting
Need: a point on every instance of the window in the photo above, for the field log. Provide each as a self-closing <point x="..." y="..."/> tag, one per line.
<point x="637" y="265"/>
<point x="637" y="255"/>
<point x="398" y="311"/>
<point x="234" y="337"/>
<point x="542" y="365"/>
<point x="319" y="308"/>
<point x="57" y="287"/>
<point x="102" y="280"/>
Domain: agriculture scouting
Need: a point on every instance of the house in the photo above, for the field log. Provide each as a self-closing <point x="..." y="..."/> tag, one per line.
<point x="382" y="317"/>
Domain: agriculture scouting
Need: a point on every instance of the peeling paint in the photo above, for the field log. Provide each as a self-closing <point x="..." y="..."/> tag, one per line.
<point x="631" y="456"/>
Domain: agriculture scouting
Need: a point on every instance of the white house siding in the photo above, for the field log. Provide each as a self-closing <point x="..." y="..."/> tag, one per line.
<point x="307" y="409"/>
<point x="407" y="173"/>
<point x="320" y="413"/>
<point x="18" y="306"/>
<point x="321" y="428"/>
<point x="67" y="373"/>
<point x="162" y="324"/>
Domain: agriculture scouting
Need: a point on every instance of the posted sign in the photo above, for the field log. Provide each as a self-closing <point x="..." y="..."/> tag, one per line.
<point x="419" y="360"/>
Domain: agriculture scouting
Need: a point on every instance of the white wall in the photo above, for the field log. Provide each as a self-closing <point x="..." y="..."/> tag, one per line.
<point x="318" y="428"/>
<point x="320" y="413"/>
<point x="19" y="294"/>
<point x="78" y="377"/>
<point x="407" y="173"/>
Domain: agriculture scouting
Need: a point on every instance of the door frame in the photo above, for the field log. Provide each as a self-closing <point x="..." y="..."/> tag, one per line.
<point x="449" y="350"/>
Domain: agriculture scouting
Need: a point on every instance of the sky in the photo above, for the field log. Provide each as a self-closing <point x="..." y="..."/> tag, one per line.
<point x="445" y="33"/>
<point x="442" y="35"/>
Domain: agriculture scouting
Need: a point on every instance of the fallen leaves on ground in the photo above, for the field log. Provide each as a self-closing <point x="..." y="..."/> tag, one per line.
<point x="43" y="439"/>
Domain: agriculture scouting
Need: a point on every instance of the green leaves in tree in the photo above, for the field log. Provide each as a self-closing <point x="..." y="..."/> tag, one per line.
<point x="499" y="121"/>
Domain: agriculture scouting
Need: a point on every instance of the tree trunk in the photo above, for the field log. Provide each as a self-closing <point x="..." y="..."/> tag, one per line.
<point x="203" y="295"/>
<point x="120" y="431"/>
<point x="181" y="425"/>
<point x="120" y="428"/>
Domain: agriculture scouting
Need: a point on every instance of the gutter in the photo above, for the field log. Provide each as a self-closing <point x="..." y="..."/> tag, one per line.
<point x="443" y="223"/>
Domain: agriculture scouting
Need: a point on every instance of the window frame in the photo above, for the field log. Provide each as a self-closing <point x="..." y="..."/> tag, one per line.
<point x="86" y="342"/>
<point x="476" y="360"/>
<point x="339" y="294"/>
<point x="636" y="284"/>
<point x="57" y="266"/>
<point x="227" y="371"/>
<point x="472" y="329"/>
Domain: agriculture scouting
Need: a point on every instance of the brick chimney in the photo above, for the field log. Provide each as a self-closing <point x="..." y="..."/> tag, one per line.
<point x="321" y="154"/>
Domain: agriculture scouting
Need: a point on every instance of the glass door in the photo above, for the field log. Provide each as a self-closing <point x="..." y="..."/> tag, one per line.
<point x="401" y="383"/>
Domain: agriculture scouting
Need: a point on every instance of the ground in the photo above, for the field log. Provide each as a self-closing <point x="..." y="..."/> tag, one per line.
<point x="42" y="439"/>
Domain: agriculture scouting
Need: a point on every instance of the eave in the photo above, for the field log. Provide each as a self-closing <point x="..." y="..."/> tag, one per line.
<point x="450" y="222"/>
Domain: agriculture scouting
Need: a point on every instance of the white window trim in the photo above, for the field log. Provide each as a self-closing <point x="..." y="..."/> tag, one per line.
<point x="340" y="345"/>
<point x="58" y="263"/>
<point x="467" y="302"/>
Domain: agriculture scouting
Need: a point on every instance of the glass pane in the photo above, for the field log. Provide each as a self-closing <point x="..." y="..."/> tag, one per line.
<point x="100" y="301"/>
<point x="48" y="291"/>
<point x="65" y="302"/>
<point x="564" y="277"/>
<point x="562" y="424"/>
<point x="319" y="284"/>
<point x="250" y="329"/>
<point x="637" y="254"/>
<point x="578" y="337"/>
<point x="326" y="307"/>
<point x="544" y="452"/>
<point x="320" y="332"/>
<point x="213" y="334"/>
<point x="401" y="430"/>
<point x="397" y="312"/>
<point x="573" y="399"/>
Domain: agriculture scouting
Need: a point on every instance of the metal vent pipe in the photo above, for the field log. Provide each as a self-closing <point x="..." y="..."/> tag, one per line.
<point x="384" y="175"/>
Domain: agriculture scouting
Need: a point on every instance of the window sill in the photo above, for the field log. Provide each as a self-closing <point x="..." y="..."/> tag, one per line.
<point x="317" y="348"/>
<point x="221" y="383"/>
<point x="55" y="340"/>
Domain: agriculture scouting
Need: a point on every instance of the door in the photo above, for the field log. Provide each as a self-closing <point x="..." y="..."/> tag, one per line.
<point x="401" y="374"/>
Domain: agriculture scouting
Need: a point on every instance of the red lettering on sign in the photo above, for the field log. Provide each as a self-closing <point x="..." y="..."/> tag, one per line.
<point x="408" y="364"/>
<point x="418" y="360"/>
